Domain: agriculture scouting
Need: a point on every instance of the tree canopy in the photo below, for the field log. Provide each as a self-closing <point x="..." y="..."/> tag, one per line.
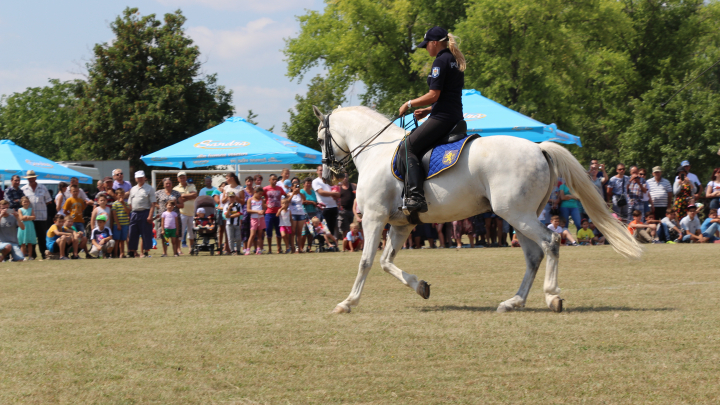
<point x="598" y="68"/>
<point x="145" y="90"/>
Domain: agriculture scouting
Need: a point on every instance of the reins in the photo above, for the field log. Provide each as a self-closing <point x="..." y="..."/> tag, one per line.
<point x="336" y="166"/>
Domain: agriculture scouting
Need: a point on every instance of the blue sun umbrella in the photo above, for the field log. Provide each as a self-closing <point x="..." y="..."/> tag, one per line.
<point x="234" y="142"/>
<point x="17" y="160"/>
<point x="487" y="118"/>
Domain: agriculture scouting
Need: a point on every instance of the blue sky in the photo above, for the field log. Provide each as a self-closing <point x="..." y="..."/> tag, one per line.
<point x="241" y="41"/>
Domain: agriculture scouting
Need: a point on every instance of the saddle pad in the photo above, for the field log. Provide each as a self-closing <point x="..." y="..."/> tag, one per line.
<point x="436" y="160"/>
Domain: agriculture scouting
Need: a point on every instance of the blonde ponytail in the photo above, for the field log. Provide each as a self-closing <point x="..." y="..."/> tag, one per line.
<point x="459" y="57"/>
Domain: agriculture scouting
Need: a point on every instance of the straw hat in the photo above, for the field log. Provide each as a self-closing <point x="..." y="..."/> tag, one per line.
<point x="30" y="175"/>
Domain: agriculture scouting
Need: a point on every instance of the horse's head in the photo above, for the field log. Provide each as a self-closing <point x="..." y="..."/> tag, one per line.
<point x="334" y="149"/>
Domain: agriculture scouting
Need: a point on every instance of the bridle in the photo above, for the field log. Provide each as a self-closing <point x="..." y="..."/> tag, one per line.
<point x="338" y="166"/>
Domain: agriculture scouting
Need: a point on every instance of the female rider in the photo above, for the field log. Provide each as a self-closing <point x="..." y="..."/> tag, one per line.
<point x="446" y="80"/>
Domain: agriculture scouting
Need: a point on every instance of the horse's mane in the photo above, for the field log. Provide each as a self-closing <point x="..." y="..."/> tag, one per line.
<point x="367" y="111"/>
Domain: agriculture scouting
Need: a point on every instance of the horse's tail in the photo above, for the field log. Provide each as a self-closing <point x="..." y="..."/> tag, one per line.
<point x="579" y="183"/>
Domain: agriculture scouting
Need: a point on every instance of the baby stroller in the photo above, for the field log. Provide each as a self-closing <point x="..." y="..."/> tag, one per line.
<point x="205" y="239"/>
<point x="312" y="235"/>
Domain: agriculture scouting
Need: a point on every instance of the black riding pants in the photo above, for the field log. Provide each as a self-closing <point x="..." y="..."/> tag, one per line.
<point x="420" y="141"/>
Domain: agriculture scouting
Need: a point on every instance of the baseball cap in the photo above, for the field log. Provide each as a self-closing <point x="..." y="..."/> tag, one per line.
<point x="101" y="218"/>
<point x="139" y="174"/>
<point x="657" y="169"/>
<point x="181" y="174"/>
<point x="692" y="206"/>
<point x="434" y="34"/>
<point x="200" y="210"/>
<point x="685" y="163"/>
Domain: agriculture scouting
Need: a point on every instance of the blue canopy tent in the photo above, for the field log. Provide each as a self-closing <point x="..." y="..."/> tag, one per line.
<point x="234" y="142"/>
<point x="16" y="160"/>
<point x="487" y="117"/>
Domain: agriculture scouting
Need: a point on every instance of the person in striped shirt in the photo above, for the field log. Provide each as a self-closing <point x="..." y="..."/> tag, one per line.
<point x="121" y="220"/>
<point x="661" y="193"/>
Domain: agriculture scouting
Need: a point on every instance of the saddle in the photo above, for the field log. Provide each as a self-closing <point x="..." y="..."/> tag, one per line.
<point x="440" y="157"/>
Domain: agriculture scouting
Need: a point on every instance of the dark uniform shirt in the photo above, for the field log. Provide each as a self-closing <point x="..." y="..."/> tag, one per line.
<point x="446" y="77"/>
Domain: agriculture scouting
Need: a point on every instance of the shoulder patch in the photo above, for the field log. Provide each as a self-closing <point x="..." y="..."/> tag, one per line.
<point x="435" y="72"/>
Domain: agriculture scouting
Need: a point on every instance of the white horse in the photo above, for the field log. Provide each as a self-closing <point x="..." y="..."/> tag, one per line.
<point x="512" y="176"/>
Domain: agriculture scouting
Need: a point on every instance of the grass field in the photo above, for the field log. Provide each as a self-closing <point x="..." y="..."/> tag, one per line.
<point x="256" y="330"/>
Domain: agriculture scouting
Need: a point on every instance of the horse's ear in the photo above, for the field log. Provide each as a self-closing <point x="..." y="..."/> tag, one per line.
<point x="318" y="114"/>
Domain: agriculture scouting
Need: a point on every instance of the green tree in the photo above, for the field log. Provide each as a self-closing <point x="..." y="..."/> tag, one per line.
<point x="145" y="90"/>
<point x="372" y="42"/>
<point x="323" y="93"/>
<point x="40" y="119"/>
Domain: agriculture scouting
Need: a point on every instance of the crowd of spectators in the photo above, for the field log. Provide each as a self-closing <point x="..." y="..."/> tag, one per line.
<point x="307" y="215"/>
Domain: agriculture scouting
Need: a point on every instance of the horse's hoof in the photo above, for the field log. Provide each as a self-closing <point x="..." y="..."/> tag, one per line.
<point x="341" y="309"/>
<point x="423" y="289"/>
<point x="557" y="304"/>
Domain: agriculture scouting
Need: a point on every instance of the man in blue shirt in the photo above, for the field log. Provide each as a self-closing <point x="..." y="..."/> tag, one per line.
<point x="617" y="191"/>
<point x="710" y="227"/>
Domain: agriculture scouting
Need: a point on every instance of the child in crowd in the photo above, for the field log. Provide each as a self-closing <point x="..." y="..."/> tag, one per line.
<point x="168" y="227"/>
<point x="102" y="240"/>
<point x="58" y="240"/>
<point x="27" y="237"/>
<point x="101" y="209"/>
<point x="233" y="213"/>
<point x="709" y="227"/>
<point x="74" y="207"/>
<point x="285" y="223"/>
<point x="585" y="235"/>
<point x="555" y="227"/>
<point x="354" y="239"/>
<point x="121" y="220"/>
<point x="201" y="221"/>
<point x="643" y="232"/>
<point x="599" y="238"/>
<point x="79" y="238"/>
<point x="320" y="228"/>
<point x="256" y="209"/>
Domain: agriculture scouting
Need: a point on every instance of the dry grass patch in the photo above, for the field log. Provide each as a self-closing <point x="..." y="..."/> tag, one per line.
<point x="259" y="330"/>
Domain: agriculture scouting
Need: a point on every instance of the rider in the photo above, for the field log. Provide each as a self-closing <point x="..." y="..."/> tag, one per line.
<point x="446" y="80"/>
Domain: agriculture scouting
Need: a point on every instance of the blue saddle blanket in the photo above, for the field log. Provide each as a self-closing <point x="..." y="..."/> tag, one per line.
<point x="436" y="160"/>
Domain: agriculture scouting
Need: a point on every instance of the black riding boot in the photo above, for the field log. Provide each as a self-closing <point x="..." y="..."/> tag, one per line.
<point x="415" y="200"/>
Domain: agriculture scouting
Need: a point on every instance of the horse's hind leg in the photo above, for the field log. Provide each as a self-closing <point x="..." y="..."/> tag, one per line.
<point x="396" y="238"/>
<point x="373" y="229"/>
<point x="533" y="257"/>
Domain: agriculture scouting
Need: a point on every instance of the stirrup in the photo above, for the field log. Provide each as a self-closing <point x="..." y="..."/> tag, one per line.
<point x="413" y="204"/>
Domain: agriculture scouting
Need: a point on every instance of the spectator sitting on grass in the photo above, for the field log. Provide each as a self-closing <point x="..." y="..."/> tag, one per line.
<point x="564" y="233"/>
<point x="691" y="225"/>
<point x="585" y="235"/>
<point x="710" y="227"/>
<point x="101" y="237"/>
<point x="642" y="232"/>
<point x="599" y="238"/>
<point x="353" y="240"/>
<point x="77" y="236"/>
<point x="9" y="224"/>
<point x="321" y="229"/>
<point x="58" y="240"/>
<point x="668" y="229"/>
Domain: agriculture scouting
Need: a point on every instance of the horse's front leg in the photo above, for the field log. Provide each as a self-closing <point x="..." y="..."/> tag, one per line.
<point x="372" y="230"/>
<point x="397" y="237"/>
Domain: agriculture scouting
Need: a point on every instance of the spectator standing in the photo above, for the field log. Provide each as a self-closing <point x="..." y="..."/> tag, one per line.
<point x="9" y="224"/>
<point x="273" y="198"/>
<point x="232" y="185"/>
<point x="347" y="200"/>
<point x="168" y="228"/>
<point x="248" y="192"/>
<point x="164" y="196"/>
<point x="569" y="206"/>
<point x="646" y="199"/>
<point x="258" y="181"/>
<point x="189" y="193"/>
<point x="310" y="201"/>
<point x="75" y="182"/>
<point x="256" y="210"/>
<point x="285" y="224"/>
<point x="233" y="214"/>
<point x="327" y="197"/>
<point x="26" y="235"/>
<point x="685" y="164"/>
<point x="713" y="190"/>
<point x="597" y="175"/>
<point x="119" y="181"/>
<point x="142" y="202"/>
<point x="121" y="219"/>
<point x="297" y="215"/>
<point x="210" y="190"/>
<point x="102" y="209"/>
<point x="39" y="199"/>
<point x="285" y="177"/>
<point x="635" y="190"/>
<point x="617" y="192"/>
<point x="661" y="192"/>
<point x="108" y="192"/>
<point x="75" y="206"/>
<point x="14" y="193"/>
<point x="684" y="190"/>
<point x="60" y="198"/>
